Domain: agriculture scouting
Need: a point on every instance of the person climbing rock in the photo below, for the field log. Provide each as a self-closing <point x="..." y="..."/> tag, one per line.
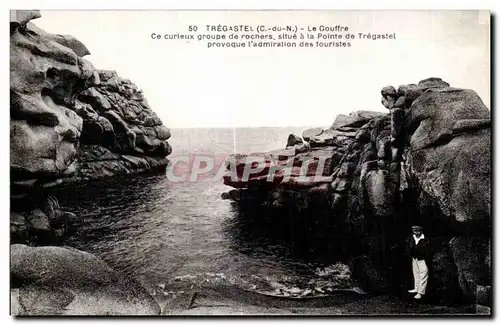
<point x="418" y="250"/>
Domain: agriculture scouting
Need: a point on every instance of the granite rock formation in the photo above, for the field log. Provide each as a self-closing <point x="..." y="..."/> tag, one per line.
<point x="69" y="123"/>
<point x="45" y="78"/>
<point x="64" y="281"/>
<point x="427" y="162"/>
<point x="38" y="220"/>
<point x="121" y="134"/>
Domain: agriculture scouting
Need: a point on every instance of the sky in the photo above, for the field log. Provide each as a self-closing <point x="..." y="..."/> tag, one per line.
<point x="190" y="85"/>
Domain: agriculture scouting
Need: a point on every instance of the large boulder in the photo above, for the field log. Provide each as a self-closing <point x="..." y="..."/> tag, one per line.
<point x="45" y="77"/>
<point x="406" y="94"/>
<point x="65" y="281"/>
<point x="433" y="115"/>
<point x="449" y="156"/>
<point x="453" y="167"/>
<point x="66" y="40"/>
<point x="457" y="176"/>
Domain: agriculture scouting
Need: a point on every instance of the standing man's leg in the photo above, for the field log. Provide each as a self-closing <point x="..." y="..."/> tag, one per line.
<point x="424" y="276"/>
<point x="416" y="275"/>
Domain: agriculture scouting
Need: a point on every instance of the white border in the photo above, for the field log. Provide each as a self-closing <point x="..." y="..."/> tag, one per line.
<point x="196" y="4"/>
<point x="255" y="4"/>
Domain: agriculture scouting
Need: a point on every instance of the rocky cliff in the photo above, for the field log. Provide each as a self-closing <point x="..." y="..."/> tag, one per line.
<point x="69" y="123"/>
<point x="353" y="190"/>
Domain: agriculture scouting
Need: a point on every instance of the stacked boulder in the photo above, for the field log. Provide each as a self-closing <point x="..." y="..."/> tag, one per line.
<point x="427" y="162"/>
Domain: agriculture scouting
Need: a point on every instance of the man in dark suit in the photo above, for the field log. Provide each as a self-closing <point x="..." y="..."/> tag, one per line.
<point x="418" y="249"/>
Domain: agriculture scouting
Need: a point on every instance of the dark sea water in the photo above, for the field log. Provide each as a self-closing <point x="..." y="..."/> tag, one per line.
<point x="181" y="235"/>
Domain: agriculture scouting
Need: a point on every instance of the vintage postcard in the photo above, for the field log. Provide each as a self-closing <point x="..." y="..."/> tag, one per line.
<point x="246" y="162"/>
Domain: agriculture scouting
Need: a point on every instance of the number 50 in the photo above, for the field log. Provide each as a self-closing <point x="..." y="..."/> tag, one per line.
<point x="193" y="28"/>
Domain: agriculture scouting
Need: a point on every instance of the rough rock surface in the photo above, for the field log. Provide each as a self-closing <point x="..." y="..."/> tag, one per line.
<point x="293" y="140"/>
<point x="354" y="120"/>
<point x="427" y="161"/>
<point x="45" y="77"/>
<point x="65" y="281"/>
<point x="63" y="110"/>
<point x="69" y="122"/>
<point x="38" y="220"/>
<point x="309" y="133"/>
<point x="121" y="134"/>
<point x="21" y="17"/>
<point x="453" y="167"/>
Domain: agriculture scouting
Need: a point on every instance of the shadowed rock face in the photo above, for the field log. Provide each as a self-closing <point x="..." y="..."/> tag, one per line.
<point x="64" y="111"/>
<point x="427" y="162"/>
<point x="38" y="219"/>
